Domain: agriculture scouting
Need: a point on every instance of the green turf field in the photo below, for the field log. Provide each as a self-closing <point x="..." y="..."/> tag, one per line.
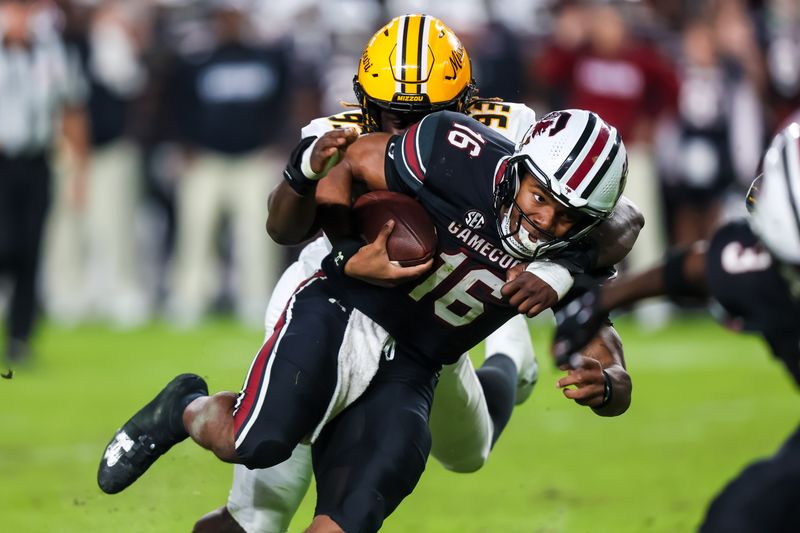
<point x="705" y="402"/>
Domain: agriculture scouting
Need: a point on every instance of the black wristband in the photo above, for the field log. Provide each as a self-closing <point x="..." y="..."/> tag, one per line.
<point x="340" y="254"/>
<point x="292" y="173"/>
<point x="608" y="389"/>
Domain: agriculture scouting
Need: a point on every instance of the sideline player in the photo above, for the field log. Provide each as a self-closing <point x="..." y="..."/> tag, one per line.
<point x="537" y="198"/>
<point x="752" y="269"/>
<point x="470" y="407"/>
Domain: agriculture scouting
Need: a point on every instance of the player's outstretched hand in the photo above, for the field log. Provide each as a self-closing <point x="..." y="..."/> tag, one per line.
<point x="328" y="148"/>
<point x="372" y="264"/>
<point x="527" y="292"/>
<point x="587" y="378"/>
<point x="577" y="322"/>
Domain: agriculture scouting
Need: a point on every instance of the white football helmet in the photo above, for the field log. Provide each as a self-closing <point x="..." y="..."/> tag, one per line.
<point x="774" y="197"/>
<point x="580" y="159"/>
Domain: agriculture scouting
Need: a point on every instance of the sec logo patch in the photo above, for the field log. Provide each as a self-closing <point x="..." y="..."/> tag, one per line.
<point x="474" y="219"/>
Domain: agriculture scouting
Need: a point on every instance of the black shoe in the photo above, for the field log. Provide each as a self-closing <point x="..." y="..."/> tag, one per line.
<point x="156" y="428"/>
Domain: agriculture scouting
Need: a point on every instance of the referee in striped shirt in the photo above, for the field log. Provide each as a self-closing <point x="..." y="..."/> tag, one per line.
<point x="41" y="92"/>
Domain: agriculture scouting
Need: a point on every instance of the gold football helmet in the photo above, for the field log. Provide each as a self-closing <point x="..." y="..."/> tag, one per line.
<point x="414" y="64"/>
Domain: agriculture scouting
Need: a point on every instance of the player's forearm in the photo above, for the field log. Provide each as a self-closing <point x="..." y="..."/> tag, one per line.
<point x="630" y="289"/>
<point x="682" y="274"/>
<point x="606" y="348"/>
<point x="291" y="216"/>
<point x="293" y="205"/>
<point x="619" y="381"/>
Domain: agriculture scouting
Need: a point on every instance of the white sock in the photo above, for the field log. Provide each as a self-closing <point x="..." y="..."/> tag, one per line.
<point x="514" y="340"/>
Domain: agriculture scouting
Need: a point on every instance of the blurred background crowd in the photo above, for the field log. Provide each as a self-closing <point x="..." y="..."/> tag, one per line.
<point x="155" y="129"/>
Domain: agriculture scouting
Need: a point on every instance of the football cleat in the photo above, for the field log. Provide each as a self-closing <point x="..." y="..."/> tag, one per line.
<point x="149" y="434"/>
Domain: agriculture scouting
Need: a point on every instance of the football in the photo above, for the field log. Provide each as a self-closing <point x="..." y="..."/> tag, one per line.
<point x="413" y="240"/>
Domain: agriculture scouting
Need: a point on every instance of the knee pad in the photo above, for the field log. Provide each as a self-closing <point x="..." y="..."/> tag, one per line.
<point x="460" y="462"/>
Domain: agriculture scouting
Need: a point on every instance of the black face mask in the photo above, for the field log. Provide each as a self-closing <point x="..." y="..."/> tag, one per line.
<point x="399" y="121"/>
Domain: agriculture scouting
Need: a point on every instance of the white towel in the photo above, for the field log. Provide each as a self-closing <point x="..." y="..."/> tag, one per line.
<point x="359" y="356"/>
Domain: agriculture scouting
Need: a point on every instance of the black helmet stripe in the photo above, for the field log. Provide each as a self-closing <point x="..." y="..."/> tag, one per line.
<point x="587" y="132"/>
<point x="420" y="46"/>
<point x="404" y="53"/>
<point x="612" y="155"/>
<point x="789" y="187"/>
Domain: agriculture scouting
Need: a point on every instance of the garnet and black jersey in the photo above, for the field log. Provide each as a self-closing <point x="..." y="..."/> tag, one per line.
<point x="753" y="295"/>
<point x="450" y="163"/>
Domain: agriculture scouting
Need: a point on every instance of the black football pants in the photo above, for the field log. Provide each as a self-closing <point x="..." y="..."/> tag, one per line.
<point x="763" y="498"/>
<point x="24" y="199"/>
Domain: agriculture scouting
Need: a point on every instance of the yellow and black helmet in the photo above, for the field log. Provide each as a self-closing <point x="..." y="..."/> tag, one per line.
<point x="414" y="64"/>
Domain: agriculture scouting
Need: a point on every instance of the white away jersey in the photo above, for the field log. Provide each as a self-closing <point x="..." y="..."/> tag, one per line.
<point x="510" y="119"/>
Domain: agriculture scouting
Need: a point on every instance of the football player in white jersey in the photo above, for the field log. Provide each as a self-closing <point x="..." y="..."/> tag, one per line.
<point x="470" y="407"/>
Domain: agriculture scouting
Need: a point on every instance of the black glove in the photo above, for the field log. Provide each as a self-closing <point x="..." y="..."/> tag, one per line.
<point x="577" y="321"/>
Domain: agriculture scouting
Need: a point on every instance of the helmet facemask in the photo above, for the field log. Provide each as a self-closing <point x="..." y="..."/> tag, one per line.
<point x="411" y="112"/>
<point x="751" y="199"/>
<point x="512" y="220"/>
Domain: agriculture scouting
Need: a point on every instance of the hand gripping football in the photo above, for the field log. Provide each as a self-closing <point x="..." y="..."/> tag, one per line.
<point x="413" y="240"/>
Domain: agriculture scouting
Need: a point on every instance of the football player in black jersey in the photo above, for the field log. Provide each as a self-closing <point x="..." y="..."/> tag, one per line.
<point x="751" y="268"/>
<point x="538" y="198"/>
<point x="471" y="406"/>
